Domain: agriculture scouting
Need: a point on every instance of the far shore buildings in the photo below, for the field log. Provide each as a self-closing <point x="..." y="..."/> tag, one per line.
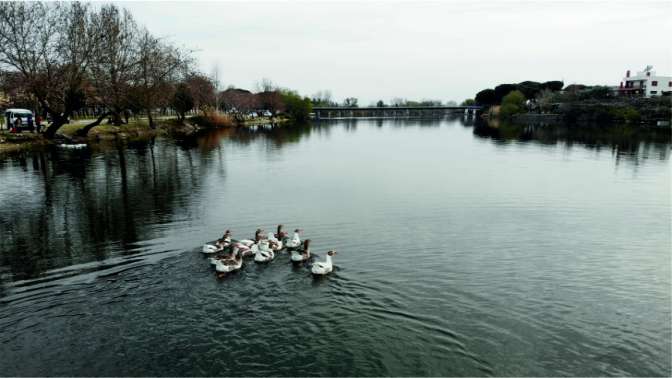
<point x="646" y="83"/>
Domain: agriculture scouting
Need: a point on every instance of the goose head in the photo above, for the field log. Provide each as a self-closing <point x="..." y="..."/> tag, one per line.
<point x="331" y="253"/>
<point x="258" y="234"/>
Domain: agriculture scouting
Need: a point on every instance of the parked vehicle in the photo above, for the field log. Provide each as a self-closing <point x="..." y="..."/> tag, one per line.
<point x="25" y="115"/>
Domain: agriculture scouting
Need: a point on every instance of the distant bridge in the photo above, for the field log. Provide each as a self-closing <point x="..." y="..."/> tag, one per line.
<point x="389" y="111"/>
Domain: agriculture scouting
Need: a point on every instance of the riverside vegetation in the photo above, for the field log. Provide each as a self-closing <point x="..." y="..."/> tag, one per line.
<point x="98" y="64"/>
<point x="575" y="104"/>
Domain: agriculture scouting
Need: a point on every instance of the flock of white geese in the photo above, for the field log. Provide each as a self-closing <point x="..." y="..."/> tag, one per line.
<point x="229" y="253"/>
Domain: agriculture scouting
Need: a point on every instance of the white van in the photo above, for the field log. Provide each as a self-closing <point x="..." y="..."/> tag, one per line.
<point x="25" y="115"/>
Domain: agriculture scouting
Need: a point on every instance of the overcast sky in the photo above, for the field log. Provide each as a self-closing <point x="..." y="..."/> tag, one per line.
<point x="416" y="50"/>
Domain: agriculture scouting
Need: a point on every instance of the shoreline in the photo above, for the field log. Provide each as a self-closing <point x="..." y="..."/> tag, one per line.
<point x="139" y="130"/>
<point x="135" y="130"/>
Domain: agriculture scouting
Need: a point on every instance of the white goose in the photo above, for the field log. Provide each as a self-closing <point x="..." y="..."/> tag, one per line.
<point x="244" y="250"/>
<point x="229" y="265"/>
<point x="235" y="251"/>
<point x="280" y="235"/>
<point x="209" y="249"/>
<point x="298" y="256"/>
<point x="323" y="268"/>
<point x="294" y="242"/>
<point x="273" y="242"/>
<point x="262" y="252"/>
<point x="219" y="245"/>
<point x="249" y="242"/>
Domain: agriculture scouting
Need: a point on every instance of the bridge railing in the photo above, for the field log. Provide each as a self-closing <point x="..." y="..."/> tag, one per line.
<point x="320" y="112"/>
<point x="369" y="108"/>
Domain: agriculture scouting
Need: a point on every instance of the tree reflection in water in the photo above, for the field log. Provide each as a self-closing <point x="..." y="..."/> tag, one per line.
<point x="60" y="208"/>
<point x="626" y="142"/>
<point x="80" y="206"/>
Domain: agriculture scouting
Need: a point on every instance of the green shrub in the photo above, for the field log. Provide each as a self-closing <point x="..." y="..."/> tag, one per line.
<point x="296" y="107"/>
<point x="628" y="114"/>
<point x="512" y="103"/>
<point x="596" y="93"/>
<point x="508" y="110"/>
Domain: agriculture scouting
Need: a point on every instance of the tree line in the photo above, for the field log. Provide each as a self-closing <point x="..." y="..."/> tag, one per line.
<point x="529" y="89"/>
<point x="69" y="55"/>
<point x="574" y="103"/>
<point x="66" y="57"/>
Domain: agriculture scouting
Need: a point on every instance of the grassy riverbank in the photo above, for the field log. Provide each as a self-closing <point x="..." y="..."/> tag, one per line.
<point x="135" y="130"/>
<point x="16" y="142"/>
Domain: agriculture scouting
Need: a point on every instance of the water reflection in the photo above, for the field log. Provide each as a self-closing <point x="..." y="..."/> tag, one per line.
<point x="631" y="143"/>
<point x="62" y="207"/>
<point x="509" y="251"/>
<point x="78" y="205"/>
<point x="278" y="135"/>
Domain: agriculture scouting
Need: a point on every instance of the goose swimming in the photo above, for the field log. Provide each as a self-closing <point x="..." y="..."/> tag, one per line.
<point x="219" y="245"/>
<point x="280" y="234"/>
<point x="295" y="241"/>
<point x="298" y="256"/>
<point x="262" y="252"/>
<point x="257" y="236"/>
<point x="274" y="243"/>
<point x="229" y="265"/>
<point x="323" y="268"/>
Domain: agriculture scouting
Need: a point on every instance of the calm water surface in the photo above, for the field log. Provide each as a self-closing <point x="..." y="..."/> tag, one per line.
<point x="462" y="251"/>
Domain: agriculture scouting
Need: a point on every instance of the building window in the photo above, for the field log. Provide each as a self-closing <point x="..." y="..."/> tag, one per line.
<point x="653" y="92"/>
<point x="669" y="84"/>
<point x="654" y="83"/>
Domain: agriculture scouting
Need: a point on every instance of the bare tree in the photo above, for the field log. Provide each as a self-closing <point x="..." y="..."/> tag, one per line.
<point x="240" y="101"/>
<point x="265" y="85"/>
<point x="398" y="101"/>
<point x="203" y="90"/>
<point x="350" y="102"/>
<point x="216" y="82"/>
<point x="53" y="58"/>
<point x="113" y="69"/>
<point x="159" y="66"/>
<point x="323" y="98"/>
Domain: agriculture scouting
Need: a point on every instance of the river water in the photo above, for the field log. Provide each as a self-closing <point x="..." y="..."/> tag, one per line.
<point x="462" y="251"/>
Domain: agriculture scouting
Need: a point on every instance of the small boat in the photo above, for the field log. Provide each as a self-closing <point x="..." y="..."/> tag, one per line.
<point x="323" y="268"/>
<point x="72" y="146"/>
